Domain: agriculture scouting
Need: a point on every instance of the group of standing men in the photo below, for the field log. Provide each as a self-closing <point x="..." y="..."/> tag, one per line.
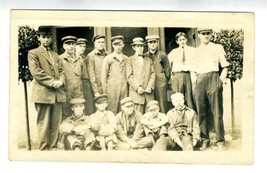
<point x="106" y="83"/>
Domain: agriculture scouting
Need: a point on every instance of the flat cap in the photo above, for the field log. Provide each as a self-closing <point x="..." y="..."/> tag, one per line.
<point x="200" y="30"/>
<point x="138" y="41"/>
<point x="44" y="30"/>
<point x="69" y="38"/>
<point x="96" y="37"/>
<point x="77" y="101"/>
<point x="117" y="39"/>
<point x="81" y="41"/>
<point x="152" y="103"/>
<point x="175" y="95"/>
<point x="180" y="34"/>
<point x="152" y="37"/>
<point x="126" y="100"/>
<point x="100" y="98"/>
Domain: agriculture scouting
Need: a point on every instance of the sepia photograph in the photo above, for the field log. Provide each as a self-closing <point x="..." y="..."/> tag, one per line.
<point x="131" y="87"/>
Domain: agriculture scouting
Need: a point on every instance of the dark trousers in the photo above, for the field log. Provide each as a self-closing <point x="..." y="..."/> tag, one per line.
<point x="89" y="106"/>
<point x="49" y="117"/>
<point x="181" y="82"/>
<point x="209" y="104"/>
<point x="161" y="97"/>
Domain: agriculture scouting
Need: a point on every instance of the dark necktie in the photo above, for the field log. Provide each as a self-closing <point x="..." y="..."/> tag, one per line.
<point x="183" y="57"/>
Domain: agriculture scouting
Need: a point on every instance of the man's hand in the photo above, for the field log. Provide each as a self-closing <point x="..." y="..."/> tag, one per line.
<point x="57" y="83"/>
<point x="140" y="90"/>
<point x="148" y="90"/>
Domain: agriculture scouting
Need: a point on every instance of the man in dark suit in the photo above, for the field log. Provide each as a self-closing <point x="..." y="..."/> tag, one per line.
<point x="47" y="93"/>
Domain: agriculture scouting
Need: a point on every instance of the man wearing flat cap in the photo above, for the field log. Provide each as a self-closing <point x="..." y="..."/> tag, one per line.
<point x="94" y="61"/>
<point x="87" y="89"/>
<point x="155" y="126"/>
<point x="47" y="92"/>
<point x="113" y="75"/>
<point x="162" y="70"/>
<point x="208" y="91"/>
<point x="76" y="129"/>
<point x="140" y="76"/>
<point x="129" y="130"/>
<point x="182" y="60"/>
<point x="74" y="69"/>
<point x="105" y="135"/>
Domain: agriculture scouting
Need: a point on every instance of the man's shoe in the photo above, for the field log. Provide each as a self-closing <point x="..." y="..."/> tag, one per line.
<point x="220" y="146"/>
<point x="205" y="144"/>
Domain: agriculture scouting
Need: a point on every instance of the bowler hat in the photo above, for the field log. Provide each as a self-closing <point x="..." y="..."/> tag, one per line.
<point x="117" y="39"/>
<point x="138" y="41"/>
<point x="81" y="41"/>
<point x="100" y="98"/>
<point x="200" y="30"/>
<point x="44" y="30"/>
<point x="152" y="37"/>
<point x="126" y="100"/>
<point x="69" y="38"/>
<point x="77" y="101"/>
<point x="96" y="37"/>
<point x="152" y="103"/>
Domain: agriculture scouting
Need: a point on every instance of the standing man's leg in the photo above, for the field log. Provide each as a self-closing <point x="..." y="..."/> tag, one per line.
<point x="43" y="115"/>
<point x="55" y="120"/>
<point x="161" y="97"/>
<point x="188" y="91"/>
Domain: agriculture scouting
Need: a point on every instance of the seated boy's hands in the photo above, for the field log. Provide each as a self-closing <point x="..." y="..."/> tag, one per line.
<point x="106" y="130"/>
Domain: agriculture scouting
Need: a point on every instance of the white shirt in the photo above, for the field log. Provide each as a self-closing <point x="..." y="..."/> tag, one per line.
<point x="209" y="56"/>
<point x="176" y="59"/>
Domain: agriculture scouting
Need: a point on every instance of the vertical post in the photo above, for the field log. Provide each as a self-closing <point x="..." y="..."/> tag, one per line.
<point x="27" y="117"/>
<point x="232" y="108"/>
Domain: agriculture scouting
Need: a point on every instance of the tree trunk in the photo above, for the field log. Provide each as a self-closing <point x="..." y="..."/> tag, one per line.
<point x="232" y="108"/>
<point x="28" y="146"/>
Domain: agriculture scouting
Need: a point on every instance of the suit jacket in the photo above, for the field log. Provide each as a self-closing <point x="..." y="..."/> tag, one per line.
<point x="44" y="73"/>
<point x="140" y="75"/>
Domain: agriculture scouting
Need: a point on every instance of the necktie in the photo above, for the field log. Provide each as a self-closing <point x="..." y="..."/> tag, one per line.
<point x="183" y="57"/>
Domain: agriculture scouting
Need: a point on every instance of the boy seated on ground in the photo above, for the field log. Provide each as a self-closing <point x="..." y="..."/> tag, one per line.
<point x="105" y="136"/>
<point x="75" y="130"/>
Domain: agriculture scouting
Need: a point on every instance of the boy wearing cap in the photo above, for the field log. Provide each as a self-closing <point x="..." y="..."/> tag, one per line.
<point x="47" y="92"/>
<point x="87" y="89"/>
<point x="129" y="126"/>
<point x="74" y="70"/>
<point x="76" y="129"/>
<point x="208" y="91"/>
<point x="105" y="136"/>
<point x="113" y="75"/>
<point x="154" y="124"/>
<point x="94" y="61"/>
<point x="162" y="70"/>
<point x="184" y="129"/>
<point x="182" y="59"/>
<point x="140" y="76"/>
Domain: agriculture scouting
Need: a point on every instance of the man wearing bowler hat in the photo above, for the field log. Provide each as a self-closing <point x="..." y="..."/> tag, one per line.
<point x="94" y="61"/>
<point x="140" y="75"/>
<point x="208" y="91"/>
<point x="47" y="92"/>
<point x="130" y="130"/>
<point x="87" y="89"/>
<point x="76" y="129"/>
<point x="74" y="69"/>
<point x="162" y="70"/>
<point x="113" y="75"/>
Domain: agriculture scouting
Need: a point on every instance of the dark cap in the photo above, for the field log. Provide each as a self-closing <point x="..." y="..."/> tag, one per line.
<point x="69" y="38"/>
<point x="117" y="39"/>
<point x="96" y="37"/>
<point x="200" y="30"/>
<point x="77" y="101"/>
<point x="126" y="100"/>
<point x="100" y="98"/>
<point x="46" y="30"/>
<point x="152" y="103"/>
<point x="179" y="34"/>
<point x="138" y="41"/>
<point x="81" y="41"/>
<point x="152" y="37"/>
